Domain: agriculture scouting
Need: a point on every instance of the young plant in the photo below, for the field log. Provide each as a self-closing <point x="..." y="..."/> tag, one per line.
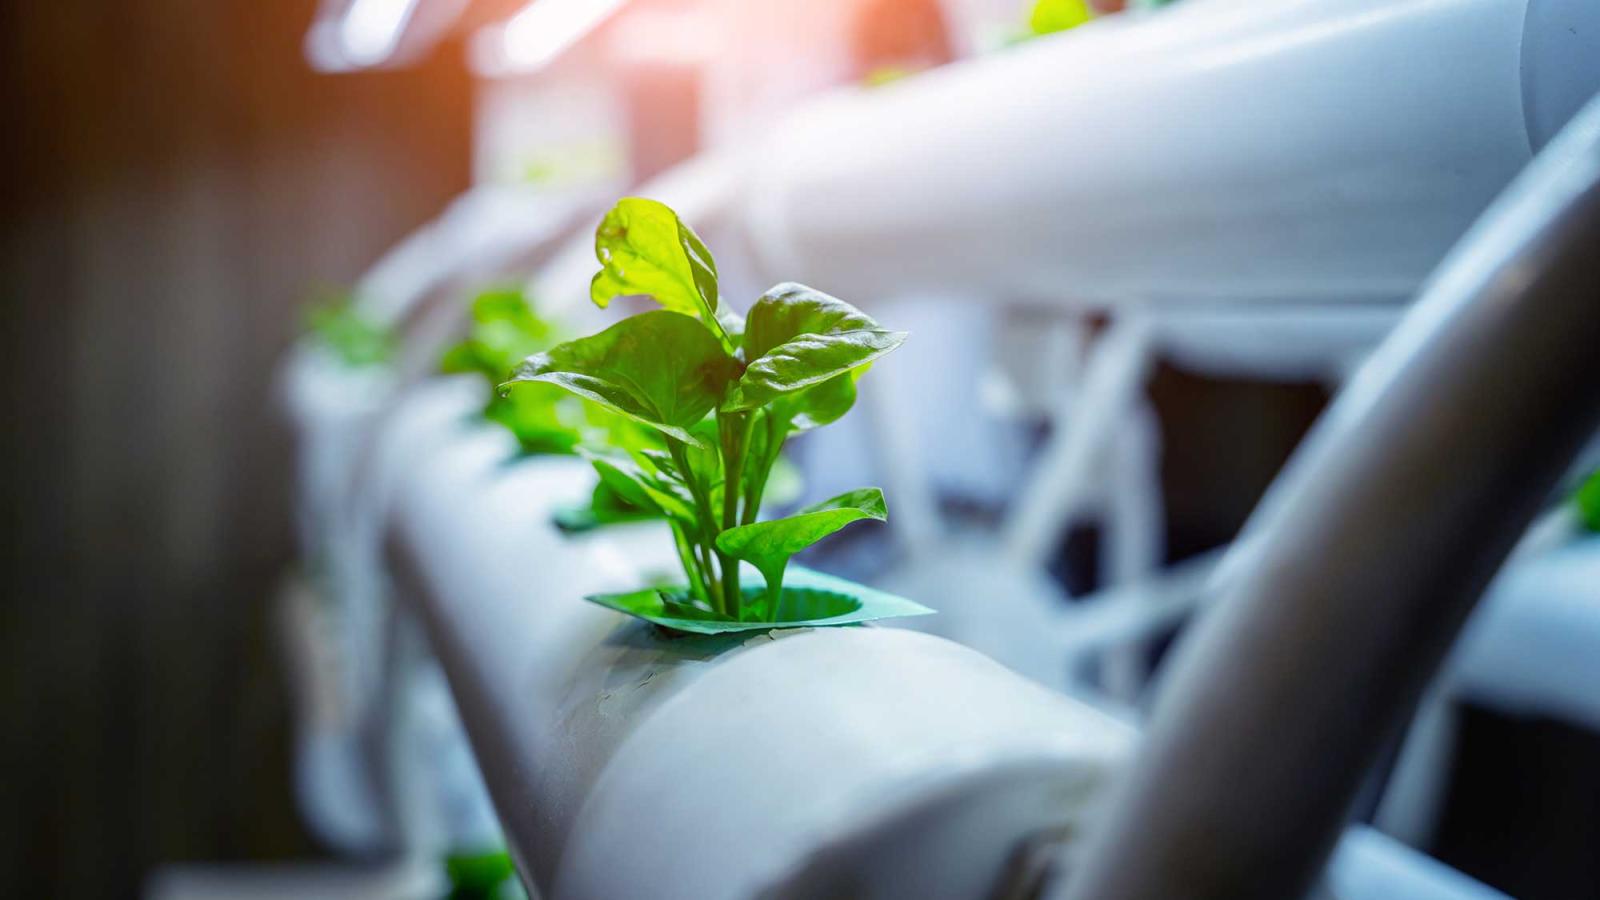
<point x="1587" y="500"/>
<point x="1052" y="16"/>
<point x="544" y="418"/>
<point x="505" y="330"/>
<point x="722" y="394"/>
<point x="357" y="341"/>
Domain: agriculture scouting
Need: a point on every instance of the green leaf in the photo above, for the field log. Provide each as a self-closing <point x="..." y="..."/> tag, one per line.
<point x="659" y="368"/>
<point x="608" y="505"/>
<point x="705" y="462"/>
<point x="605" y="506"/>
<point x="605" y="427"/>
<point x="478" y="874"/>
<point x="544" y="418"/>
<point x="761" y="542"/>
<point x="505" y="330"/>
<point x="1051" y="16"/>
<point x="509" y="305"/>
<point x="796" y="338"/>
<point x="1588" y="501"/>
<point x="784" y="484"/>
<point x="789" y="310"/>
<point x="768" y="545"/>
<point x="810" y="600"/>
<point x="732" y="326"/>
<point x="462" y="357"/>
<point x="817" y="405"/>
<point x="340" y="326"/>
<point x="635" y="487"/>
<point x="644" y="249"/>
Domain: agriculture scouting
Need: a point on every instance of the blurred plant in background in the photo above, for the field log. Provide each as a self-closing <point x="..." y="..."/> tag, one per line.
<point x="337" y="324"/>
<point x="504" y="330"/>
<point x="482" y="876"/>
<point x="1051" y="16"/>
<point x="1587" y="500"/>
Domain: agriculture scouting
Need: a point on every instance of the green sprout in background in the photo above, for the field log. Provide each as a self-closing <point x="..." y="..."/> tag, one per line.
<point x="1051" y="16"/>
<point x="488" y="875"/>
<point x="545" y="419"/>
<point x="887" y="74"/>
<point x="719" y="395"/>
<point x="1587" y="500"/>
<point x="337" y="323"/>
<point x="504" y="330"/>
<point x="1055" y="16"/>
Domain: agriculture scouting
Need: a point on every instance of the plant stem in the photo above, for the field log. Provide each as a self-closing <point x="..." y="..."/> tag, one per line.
<point x="708" y="573"/>
<point x="774" y="590"/>
<point x="734" y="431"/>
<point x="758" y="484"/>
<point x="706" y="534"/>
<point x="691" y="567"/>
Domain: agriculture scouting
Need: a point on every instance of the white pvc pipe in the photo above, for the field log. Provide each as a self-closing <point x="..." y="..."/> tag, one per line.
<point x="1059" y="482"/>
<point x="480" y="234"/>
<point x="1370" y="866"/>
<point x="1531" y="647"/>
<point x="623" y="763"/>
<point x="1134" y="533"/>
<point x="818" y="762"/>
<point x="1527" y="650"/>
<point x="333" y="409"/>
<point x="1296" y="151"/>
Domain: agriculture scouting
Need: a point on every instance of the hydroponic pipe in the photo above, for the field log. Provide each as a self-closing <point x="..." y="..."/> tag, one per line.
<point x="1374" y="546"/>
<point x="1221" y="150"/>
<point x="625" y="763"/>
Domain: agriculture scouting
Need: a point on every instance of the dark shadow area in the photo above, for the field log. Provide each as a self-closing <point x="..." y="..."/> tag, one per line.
<point x="1523" y="812"/>
<point x="179" y="183"/>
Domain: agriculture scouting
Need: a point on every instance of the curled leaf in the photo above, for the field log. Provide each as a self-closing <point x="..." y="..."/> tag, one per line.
<point x="768" y="545"/>
<point x="645" y="249"/>
<point x="818" y="405"/>
<point x="796" y="338"/>
<point x="631" y="484"/>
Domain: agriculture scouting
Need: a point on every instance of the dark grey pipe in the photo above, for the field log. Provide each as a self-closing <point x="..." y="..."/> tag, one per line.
<point x="1372" y="549"/>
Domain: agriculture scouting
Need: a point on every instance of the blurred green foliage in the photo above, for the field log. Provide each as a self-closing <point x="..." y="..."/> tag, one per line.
<point x="1051" y="16"/>
<point x="505" y="329"/>
<point x="481" y="876"/>
<point x="1588" y="501"/>
<point x="337" y="324"/>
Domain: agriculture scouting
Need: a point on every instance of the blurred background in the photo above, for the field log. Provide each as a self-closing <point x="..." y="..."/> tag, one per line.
<point x="206" y="202"/>
<point x="179" y="184"/>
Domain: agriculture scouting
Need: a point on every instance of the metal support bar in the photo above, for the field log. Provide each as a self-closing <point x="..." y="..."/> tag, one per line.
<point x="1060" y="481"/>
<point x="1375" y="544"/>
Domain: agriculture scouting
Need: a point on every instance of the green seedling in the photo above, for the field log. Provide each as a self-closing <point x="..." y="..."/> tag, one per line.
<point x="481" y="876"/>
<point x="544" y="418"/>
<point x="721" y="394"/>
<point x="1052" y="16"/>
<point x="1587" y="499"/>
<point x="505" y="329"/>
<point x="338" y="325"/>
